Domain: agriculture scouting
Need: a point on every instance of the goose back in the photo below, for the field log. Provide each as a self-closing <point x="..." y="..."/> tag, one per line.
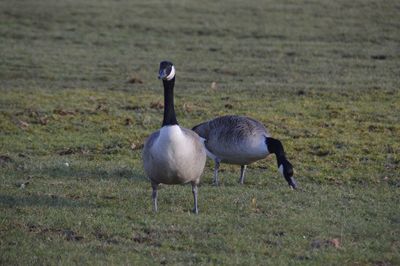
<point x="234" y="139"/>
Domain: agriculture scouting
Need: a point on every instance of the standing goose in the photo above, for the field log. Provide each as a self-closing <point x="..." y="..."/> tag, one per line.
<point x="173" y="154"/>
<point x="241" y="140"/>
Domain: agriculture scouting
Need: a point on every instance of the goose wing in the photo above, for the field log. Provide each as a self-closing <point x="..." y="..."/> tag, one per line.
<point x="147" y="147"/>
<point x="202" y="129"/>
<point x="233" y="129"/>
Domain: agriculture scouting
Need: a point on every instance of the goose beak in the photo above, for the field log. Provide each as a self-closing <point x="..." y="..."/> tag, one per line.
<point x="288" y="175"/>
<point x="292" y="183"/>
<point x="162" y="74"/>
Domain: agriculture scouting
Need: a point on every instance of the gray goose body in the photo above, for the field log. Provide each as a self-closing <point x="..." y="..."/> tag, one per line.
<point x="173" y="154"/>
<point x="241" y="140"/>
<point x="234" y="139"/>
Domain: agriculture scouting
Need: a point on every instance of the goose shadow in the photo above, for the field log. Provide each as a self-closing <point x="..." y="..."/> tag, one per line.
<point x="84" y="172"/>
<point x="77" y="172"/>
<point x="53" y="201"/>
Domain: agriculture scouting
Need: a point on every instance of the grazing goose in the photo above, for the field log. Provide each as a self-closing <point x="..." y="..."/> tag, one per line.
<point x="173" y="154"/>
<point x="241" y="140"/>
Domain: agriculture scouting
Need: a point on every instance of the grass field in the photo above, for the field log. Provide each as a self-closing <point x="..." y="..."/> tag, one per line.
<point x="79" y="95"/>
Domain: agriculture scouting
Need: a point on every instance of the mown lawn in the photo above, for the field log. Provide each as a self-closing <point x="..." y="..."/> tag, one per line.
<point x="79" y="95"/>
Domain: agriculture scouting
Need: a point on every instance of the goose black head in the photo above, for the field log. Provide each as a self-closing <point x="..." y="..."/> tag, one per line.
<point x="286" y="170"/>
<point x="167" y="71"/>
<point x="284" y="166"/>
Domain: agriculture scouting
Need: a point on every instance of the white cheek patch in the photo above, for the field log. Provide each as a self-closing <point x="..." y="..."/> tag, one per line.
<point x="280" y="168"/>
<point x="171" y="74"/>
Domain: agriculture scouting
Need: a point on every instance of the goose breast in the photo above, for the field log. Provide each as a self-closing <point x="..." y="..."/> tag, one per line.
<point x="175" y="156"/>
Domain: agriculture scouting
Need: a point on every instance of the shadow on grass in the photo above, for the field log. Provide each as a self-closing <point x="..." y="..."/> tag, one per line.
<point x="42" y="200"/>
<point x="89" y="173"/>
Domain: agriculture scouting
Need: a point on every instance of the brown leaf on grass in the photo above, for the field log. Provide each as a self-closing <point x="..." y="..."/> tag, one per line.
<point x="67" y="151"/>
<point x="135" y="80"/>
<point x="5" y="159"/>
<point x="254" y="203"/>
<point x="300" y="92"/>
<point x="64" y="112"/>
<point x="279" y="233"/>
<point x="84" y="151"/>
<point x="102" y="107"/>
<point x="68" y="234"/>
<point x="378" y="57"/>
<point x="303" y="257"/>
<point x="43" y="120"/>
<point x="37" y="116"/>
<point x="105" y="237"/>
<point x="187" y="107"/>
<point x="318" y="243"/>
<point x="128" y="121"/>
<point x="320" y="153"/>
<point x="157" y="105"/>
<point x="257" y="210"/>
<point x="31" y="112"/>
<point x="22" y="185"/>
<point x="109" y="197"/>
<point x="228" y="106"/>
<point x="381" y="263"/>
<point x="92" y="98"/>
<point x="148" y="237"/>
<point x="335" y="242"/>
<point x="23" y="124"/>
<point x="71" y="235"/>
<point x="135" y="146"/>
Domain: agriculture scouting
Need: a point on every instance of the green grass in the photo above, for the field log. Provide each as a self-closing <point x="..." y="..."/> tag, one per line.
<point x="322" y="75"/>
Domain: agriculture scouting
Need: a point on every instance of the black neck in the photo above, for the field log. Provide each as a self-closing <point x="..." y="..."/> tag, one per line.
<point x="169" y="111"/>
<point x="275" y="146"/>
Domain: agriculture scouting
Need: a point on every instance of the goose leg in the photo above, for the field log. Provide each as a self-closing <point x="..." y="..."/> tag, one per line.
<point x="242" y="171"/>
<point x="215" y="180"/>
<point x="194" y="190"/>
<point x="154" y="196"/>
